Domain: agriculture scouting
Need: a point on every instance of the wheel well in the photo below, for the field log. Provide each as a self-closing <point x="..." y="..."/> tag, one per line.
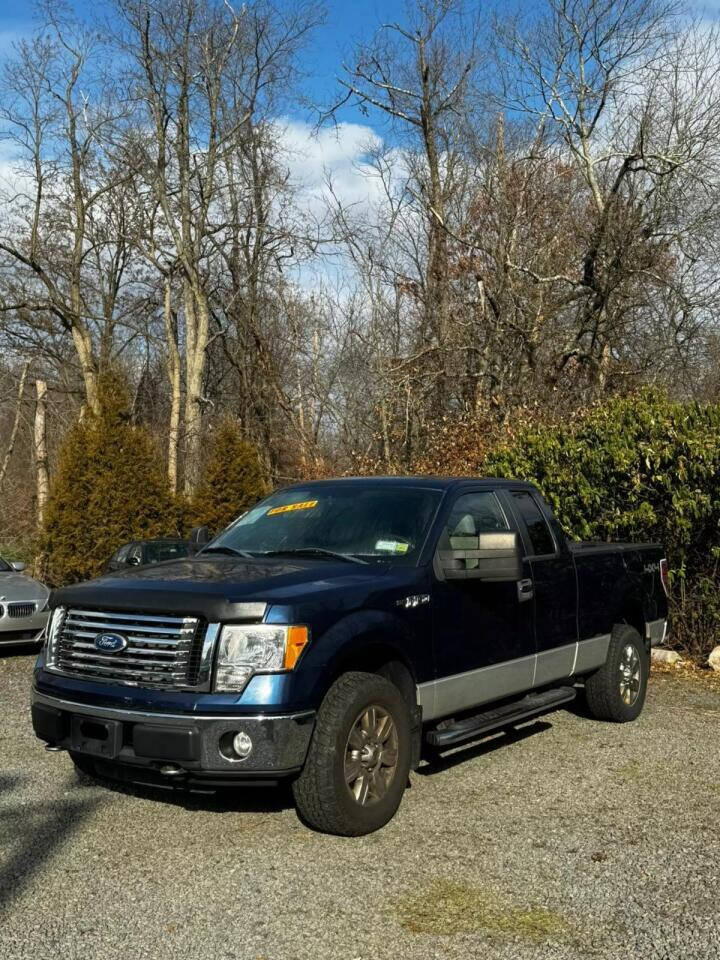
<point x="634" y="617"/>
<point x="385" y="662"/>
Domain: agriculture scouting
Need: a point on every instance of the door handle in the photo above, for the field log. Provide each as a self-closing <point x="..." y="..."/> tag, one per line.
<point x="525" y="590"/>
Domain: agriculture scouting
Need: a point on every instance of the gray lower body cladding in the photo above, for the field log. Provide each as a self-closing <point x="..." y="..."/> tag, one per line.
<point x="439" y="698"/>
<point x="198" y="745"/>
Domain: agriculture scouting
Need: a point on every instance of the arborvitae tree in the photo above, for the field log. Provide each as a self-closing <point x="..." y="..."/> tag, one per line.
<point x="109" y="487"/>
<point x="232" y="478"/>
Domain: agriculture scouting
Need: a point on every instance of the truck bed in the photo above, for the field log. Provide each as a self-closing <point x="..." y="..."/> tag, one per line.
<point x="589" y="546"/>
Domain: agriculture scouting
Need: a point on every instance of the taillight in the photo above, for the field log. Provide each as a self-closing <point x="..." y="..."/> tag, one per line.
<point x="664" y="576"/>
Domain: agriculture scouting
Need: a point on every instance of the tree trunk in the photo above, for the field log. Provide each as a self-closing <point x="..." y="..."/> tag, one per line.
<point x="197" y="326"/>
<point x="42" y="478"/>
<point x="15" y="426"/>
<point x="84" y="347"/>
<point x="301" y="423"/>
<point x="173" y="370"/>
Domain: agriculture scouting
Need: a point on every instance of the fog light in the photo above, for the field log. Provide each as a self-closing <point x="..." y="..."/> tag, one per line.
<point x="242" y="745"/>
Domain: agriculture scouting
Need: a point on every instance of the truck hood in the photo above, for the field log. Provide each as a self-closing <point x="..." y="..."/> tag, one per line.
<point x="215" y="587"/>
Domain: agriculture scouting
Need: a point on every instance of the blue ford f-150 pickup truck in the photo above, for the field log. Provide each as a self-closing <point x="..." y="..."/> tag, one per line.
<point x="336" y="632"/>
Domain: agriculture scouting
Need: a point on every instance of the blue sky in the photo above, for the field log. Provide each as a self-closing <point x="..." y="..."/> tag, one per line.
<point x="311" y="155"/>
<point x="340" y="151"/>
<point x="347" y="21"/>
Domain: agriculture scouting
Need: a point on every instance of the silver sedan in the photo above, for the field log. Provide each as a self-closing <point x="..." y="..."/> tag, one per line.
<point x="23" y="605"/>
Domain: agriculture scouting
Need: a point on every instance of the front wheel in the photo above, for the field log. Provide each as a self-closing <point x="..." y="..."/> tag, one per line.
<point x="617" y="690"/>
<point x="359" y="757"/>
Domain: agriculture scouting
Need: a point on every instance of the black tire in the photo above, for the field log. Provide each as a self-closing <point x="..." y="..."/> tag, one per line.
<point x="323" y="798"/>
<point x="603" y="690"/>
<point x="84" y="765"/>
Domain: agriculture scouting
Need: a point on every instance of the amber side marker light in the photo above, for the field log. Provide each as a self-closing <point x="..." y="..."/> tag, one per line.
<point x="297" y="638"/>
<point x="664" y="578"/>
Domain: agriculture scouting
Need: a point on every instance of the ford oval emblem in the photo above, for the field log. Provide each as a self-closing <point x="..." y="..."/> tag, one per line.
<point x="110" y="642"/>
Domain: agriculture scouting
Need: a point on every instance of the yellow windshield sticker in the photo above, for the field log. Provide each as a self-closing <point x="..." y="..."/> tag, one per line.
<point x="305" y="505"/>
<point x="392" y="546"/>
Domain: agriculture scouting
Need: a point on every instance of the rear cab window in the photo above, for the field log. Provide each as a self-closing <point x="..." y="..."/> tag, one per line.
<point x="538" y="530"/>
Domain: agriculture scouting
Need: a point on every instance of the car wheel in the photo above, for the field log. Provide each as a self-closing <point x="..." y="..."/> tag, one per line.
<point x="617" y="690"/>
<point x="359" y="758"/>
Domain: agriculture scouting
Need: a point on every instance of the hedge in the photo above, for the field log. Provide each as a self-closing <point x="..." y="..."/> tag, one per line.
<point x="637" y="468"/>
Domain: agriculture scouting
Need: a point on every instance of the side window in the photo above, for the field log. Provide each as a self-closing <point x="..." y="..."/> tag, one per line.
<point x="121" y="555"/>
<point x="540" y="536"/>
<point x="135" y="554"/>
<point x="157" y="552"/>
<point x="473" y="514"/>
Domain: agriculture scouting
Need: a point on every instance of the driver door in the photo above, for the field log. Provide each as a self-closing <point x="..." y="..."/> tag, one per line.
<point x="483" y="632"/>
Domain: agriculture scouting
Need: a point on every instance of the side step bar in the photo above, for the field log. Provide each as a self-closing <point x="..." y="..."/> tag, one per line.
<point x="471" y="728"/>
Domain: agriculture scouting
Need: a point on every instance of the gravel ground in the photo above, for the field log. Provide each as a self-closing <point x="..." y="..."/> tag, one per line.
<point x="572" y="839"/>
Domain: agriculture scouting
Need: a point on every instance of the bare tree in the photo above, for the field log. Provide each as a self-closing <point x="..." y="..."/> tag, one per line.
<point x="15" y="425"/>
<point x="42" y="478"/>
<point x="630" y="94"/>
<point x="58" y="108"/>
<point x="266" y="233"/>
<point x="420" y="76"/>
<point x="181" y="51"/>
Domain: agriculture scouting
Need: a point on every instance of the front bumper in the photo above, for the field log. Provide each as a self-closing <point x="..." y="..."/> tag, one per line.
<point x="22" y="629"/>
<point x="133" y="743"/>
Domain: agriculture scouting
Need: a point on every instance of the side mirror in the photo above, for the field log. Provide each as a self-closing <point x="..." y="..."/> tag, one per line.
<point x="494" y="557"/>
<point x="198" y="538"/>
<point x="18" y="566"/>
<point x="133" y="561"/>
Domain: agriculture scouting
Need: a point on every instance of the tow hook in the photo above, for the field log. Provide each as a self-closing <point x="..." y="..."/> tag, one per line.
<point x="171" y="770"/>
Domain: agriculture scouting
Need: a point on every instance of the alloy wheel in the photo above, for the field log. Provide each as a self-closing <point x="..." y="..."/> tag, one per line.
<point x="371" y="755"/>
<point x="630" y="674"/>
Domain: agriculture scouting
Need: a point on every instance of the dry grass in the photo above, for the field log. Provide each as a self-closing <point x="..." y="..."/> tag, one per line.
<point x="446" y="907"/>
<point x="687" y="670"/>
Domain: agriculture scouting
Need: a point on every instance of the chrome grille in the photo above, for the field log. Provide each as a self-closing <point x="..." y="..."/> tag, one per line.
<point x="162" y="650"/>
<point x="18" y="610"/>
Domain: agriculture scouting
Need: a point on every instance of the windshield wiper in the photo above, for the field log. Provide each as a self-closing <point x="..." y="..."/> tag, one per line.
<point x="312" y="552"/>
<point x="230" y="551"/>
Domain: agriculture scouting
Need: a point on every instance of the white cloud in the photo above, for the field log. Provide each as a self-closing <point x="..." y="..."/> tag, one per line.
<point x="340" y="154"/>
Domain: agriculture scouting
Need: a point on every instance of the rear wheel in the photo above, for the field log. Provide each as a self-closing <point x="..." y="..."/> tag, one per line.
<point x="359" y="758"/>
<point x="617" y="690"/>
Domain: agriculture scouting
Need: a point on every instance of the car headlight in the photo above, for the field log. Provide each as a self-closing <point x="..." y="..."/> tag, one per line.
<point x="257" y="648"/>
<point x="52" y="632"/>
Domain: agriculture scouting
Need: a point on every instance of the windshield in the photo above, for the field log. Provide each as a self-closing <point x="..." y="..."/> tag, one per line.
<point x="374" y="523"/>
<point x="167" y="550"/>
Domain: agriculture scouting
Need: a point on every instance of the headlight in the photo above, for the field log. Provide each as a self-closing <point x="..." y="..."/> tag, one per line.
<point x="248" y="649"/>
<point x="53" y="630"/>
